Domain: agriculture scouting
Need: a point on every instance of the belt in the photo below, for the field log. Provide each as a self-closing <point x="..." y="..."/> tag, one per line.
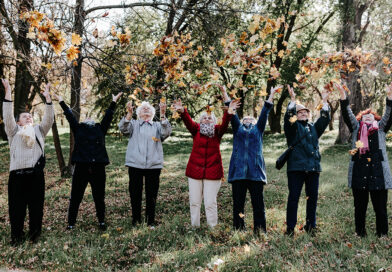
<point x="23" y="171"/>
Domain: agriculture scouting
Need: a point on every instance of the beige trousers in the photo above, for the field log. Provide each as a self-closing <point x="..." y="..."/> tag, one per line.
<point x="209" y="189"/>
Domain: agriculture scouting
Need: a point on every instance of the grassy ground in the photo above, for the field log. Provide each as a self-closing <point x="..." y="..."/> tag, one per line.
<point x="173" y="245"/>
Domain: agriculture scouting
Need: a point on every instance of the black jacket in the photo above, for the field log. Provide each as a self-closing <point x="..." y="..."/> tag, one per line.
<point x="89" y="139"/>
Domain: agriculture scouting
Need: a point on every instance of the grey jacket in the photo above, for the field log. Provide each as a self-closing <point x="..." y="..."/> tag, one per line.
<point x="144" y="149"/>
<point x="384" y="125"/>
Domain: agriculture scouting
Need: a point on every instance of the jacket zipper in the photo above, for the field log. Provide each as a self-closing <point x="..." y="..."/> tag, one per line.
<point x="205" y="160"/>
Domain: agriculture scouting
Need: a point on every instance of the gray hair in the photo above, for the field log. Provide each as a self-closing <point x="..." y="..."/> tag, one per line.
<point x="145" y="103"/>
<point x="205" y="113"/>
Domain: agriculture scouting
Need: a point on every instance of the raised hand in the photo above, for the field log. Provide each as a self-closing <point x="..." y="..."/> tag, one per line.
<point x="116" y="97"/>
<point x="130" y="107"/>
<point x="177" y="105"/>
<point x="389" y="91"/>
<point x="341" y="90"/>
<point x="235" y="104"/>
<point x="7" y="88"/>
<point x="291" y="92"/>
<point x="46" y="93"/>
<point x="325" y="95"/>
<point x="58" y="97"/>
<point x="273" y="91"/>
<point x="162" y="108"/>
<point x="224" y="93"/>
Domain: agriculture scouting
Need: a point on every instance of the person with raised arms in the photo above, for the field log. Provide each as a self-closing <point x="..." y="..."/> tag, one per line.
<point x="368" y="172"/>
<point x="90" y="158"/>
<point x="26" y="185"/>
<point x="144" y="156"/>
<point x="303" y="164"/>
<point x="204" y="169"/>
<point x="247" y="167"/>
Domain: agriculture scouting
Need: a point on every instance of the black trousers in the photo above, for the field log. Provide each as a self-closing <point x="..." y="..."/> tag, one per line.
<point x="26" y="189"/>
<point x="151" y="177"/>
<point x="296" y="180"/>
<point x="255" y="188"/>
<point x="379" y="199"/>
<point x="95" y="175"/>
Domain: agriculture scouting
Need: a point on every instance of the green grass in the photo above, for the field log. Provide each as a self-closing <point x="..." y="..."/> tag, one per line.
<point x="173" y="245"/>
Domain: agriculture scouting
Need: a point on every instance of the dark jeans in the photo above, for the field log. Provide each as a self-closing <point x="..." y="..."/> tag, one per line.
<point x="95" y="175"/>
<point x="26" y="190"/>
<point x="151" y="177"/>
<point x="296" y="180"/>
<point x="379" y="199"/>
<point x="255" y="188"/>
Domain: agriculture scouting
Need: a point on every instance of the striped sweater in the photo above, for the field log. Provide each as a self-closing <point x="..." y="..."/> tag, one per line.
<point x="22" y="156"/>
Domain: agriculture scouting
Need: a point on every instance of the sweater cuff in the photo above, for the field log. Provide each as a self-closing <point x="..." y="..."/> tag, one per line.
<point x="112" y="106"/>
<point x="6" y="100"/>
<point x="344" y="103"/>
<point x="50" y="103"/>
<point x="64" y="106"/>
<point x="389" y="102"/>
<point x="268" y="104"/>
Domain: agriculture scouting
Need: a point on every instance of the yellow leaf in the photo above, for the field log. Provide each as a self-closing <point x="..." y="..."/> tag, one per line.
<point x="76" y="39"/>
<point x="163" y="100"/>
<point x="105" y="235"/>
<point x="319" y="107"/>
<point x="72" y="53"/>
<point x="386" y="60"/>
<point x="155" y="139"/>
<point x="293" y="119"/>
<point x="281" y="54"/>
<point x="299" y="44"/>
<point x="358" y="144"/>
<point x="246" y="249"/>
<point x="241" y="215"/>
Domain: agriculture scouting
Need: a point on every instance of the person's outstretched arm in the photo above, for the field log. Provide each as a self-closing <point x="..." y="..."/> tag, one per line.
<point x="347" y="114"/>
<point x="222" y="128"/>
<point x="108" y="117"/>
<point x="235" y="121"/>
<point x="48" y="119"/>
<point x="386" y="120"/>
<point x="8" y="112"/>
<point x="73" y="123"/>
<point x="290" y="125"/>
<point x="166" y="128"/>
<point x="125" y="124"/>
<point x="325" y="116"/>
<point x="262" y="121"/>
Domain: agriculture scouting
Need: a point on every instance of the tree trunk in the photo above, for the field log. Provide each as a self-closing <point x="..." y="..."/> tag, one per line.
<point x="352" y="35"/>
<point x="76" y="76"/>
<point x="3" y="135"/>
<point x="64" y="170"/>
<point x="23" y="79"/>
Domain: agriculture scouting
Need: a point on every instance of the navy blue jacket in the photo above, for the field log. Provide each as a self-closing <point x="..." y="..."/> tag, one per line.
<point x="305" y="155"/>
<point x="247" y="161"/>
<point x="89" y="140"/>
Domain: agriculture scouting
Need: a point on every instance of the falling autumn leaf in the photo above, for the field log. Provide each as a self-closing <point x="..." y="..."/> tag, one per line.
<point x="241" y="215"/>
<point x="155" y="139"/>
<point x="359" y="144"/>
<point x="72" y="53"/>
<point x="76" y="39"/>
<point x="293" y="119"/>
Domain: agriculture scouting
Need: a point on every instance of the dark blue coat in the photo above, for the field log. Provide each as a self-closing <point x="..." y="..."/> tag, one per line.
<point x="305" y="155"/>
<point x="247" y="161"/>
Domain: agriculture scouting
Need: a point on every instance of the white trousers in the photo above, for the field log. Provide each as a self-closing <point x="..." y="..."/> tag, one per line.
<point x="209" y="189"/>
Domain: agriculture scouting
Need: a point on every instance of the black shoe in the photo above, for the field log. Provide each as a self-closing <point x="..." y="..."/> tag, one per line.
<point x="34" y="237"/>
<point x="289" y="232"/>
<point x="16" y="241"/>
<point x="310" y="230"/>
<point x="70" y="227"/>
<point x="102" y="226"/>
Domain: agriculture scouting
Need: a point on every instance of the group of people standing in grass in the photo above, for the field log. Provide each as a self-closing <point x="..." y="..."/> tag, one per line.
<point x="369" y="171"/>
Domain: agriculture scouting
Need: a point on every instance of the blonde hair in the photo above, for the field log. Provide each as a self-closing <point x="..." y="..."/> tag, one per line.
<point x="145" y="103"/>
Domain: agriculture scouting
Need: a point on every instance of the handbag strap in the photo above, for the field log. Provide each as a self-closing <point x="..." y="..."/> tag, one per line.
<point x="43" y="154"/>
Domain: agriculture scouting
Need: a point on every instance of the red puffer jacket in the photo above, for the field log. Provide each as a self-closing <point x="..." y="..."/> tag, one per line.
<point x="205" y="161"/>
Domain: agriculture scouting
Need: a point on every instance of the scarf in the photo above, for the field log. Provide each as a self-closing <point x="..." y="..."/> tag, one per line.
<point x="207" y="129"/>
<point x="364" y="131"/>
<point x="28" y="135"/>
